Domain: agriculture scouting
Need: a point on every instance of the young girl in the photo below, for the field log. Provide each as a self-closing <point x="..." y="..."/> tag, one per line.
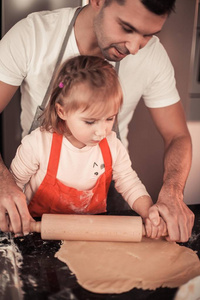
<point x="67" y="164"/>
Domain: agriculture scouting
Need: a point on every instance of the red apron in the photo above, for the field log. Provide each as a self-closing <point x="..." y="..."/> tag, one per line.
<point x="53" y="196"/>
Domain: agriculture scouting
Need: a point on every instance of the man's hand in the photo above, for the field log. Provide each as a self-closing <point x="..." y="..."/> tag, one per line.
<point x="14" y="214"/>
<point x="178" y="217"/>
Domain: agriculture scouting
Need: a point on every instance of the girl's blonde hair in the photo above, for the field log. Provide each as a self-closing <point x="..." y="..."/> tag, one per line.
<point x="99" y="76"/>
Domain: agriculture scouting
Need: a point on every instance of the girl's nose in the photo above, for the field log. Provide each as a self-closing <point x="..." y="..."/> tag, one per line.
<point x="101" y="130"/>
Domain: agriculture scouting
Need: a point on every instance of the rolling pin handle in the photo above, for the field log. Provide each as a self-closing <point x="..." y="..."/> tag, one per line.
<point x="35" y="227"/>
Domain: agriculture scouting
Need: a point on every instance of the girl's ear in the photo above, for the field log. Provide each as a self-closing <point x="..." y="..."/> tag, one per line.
<point x="60" y="111"/>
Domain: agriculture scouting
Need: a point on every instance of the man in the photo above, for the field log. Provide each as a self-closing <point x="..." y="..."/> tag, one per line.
<point x="119" y="30"/>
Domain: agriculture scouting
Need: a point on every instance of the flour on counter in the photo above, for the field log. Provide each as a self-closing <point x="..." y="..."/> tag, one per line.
<point x="11" y="261"/>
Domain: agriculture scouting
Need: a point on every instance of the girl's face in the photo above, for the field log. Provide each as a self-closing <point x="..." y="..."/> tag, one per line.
<point x="88" y="129"/>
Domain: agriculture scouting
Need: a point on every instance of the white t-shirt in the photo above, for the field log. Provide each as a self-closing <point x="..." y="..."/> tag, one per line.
<point x="30" y="165"/>
<point x="28" y="54"/>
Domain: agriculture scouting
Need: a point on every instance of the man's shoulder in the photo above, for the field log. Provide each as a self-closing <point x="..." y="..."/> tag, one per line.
<point x="57" y="12"/>
<point x="43" y="24"/>
<point x="50" y="17"/>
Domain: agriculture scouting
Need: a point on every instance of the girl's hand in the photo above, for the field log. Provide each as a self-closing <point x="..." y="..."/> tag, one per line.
<point x="155" y="232"/>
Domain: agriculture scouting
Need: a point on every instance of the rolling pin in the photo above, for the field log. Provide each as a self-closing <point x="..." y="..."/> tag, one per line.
<point x="90" y="228"/>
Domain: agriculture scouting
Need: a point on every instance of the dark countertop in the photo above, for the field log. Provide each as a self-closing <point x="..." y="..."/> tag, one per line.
<point x="30" y="271"/>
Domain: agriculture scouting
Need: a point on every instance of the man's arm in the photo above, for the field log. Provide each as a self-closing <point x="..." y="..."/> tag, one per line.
<point x="13" y="207"/>
<point x="171" y="123"/>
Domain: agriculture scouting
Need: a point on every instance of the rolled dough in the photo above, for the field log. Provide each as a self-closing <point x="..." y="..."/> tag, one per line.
<point x="117" y="267"/>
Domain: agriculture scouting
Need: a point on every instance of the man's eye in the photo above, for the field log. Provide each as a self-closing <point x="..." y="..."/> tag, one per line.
<point x="127" y="29"/>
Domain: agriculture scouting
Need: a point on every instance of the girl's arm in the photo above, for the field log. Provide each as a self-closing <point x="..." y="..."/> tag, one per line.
<point x="131" y="188"/>
<point x="27" y="158"/>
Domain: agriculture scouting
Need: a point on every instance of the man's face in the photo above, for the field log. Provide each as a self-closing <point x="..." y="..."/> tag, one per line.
<point x="123" y="30"/>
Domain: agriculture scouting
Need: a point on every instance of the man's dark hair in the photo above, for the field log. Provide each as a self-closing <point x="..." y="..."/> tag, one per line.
<point x="158" y="7"/>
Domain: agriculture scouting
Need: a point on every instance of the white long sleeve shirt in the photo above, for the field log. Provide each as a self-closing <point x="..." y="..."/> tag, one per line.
<point x="78" y="168"/>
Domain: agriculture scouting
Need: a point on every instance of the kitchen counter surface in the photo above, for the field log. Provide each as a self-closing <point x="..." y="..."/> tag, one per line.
<point x="30" y="271"/>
